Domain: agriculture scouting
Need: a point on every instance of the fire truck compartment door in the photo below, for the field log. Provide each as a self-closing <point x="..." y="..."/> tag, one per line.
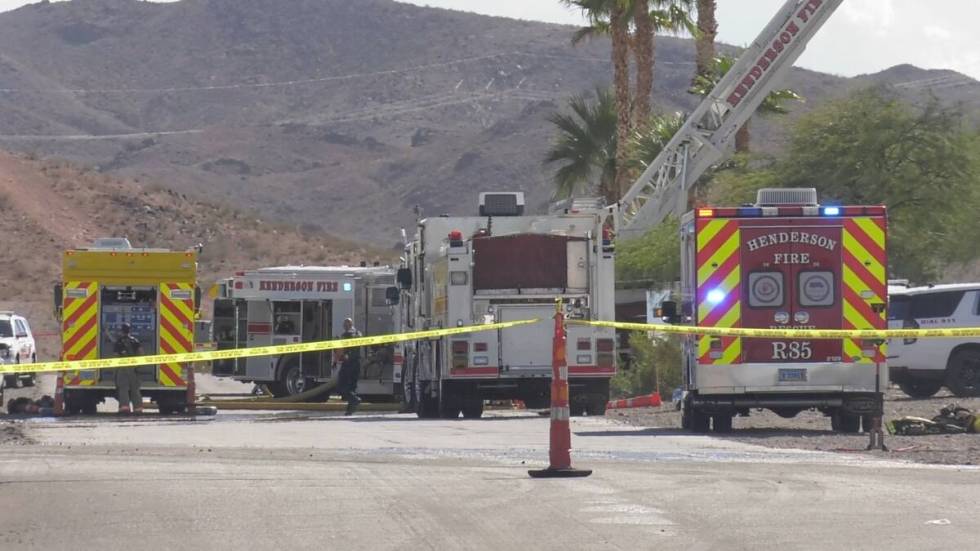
<point x="527" y="349"/>
<point x="259" y="331"/>
<point x="792" y="281"/>
<point x="136" y="306"/>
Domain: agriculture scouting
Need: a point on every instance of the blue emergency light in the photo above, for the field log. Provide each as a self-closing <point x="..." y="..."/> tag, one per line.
<point x="831" y="211"/>
<point x="715" y="296"/>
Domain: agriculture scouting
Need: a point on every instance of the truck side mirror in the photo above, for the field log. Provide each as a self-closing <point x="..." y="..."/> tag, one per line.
<point x="404" y="278"/>
<point x="197" y="298"/>
<point x="58" y="301"/>
<point x="392" y="294"/>
<point x="668" y="312"/>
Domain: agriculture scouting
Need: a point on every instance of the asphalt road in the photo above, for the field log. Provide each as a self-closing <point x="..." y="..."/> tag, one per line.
<point x="317" y="481"/>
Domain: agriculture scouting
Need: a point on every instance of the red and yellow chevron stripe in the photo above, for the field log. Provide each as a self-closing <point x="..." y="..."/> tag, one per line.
<point x="80" y="328"/>
<point x="176" y="329"/>
<point x="718" y="271"/>
<point x="864" y="284"/>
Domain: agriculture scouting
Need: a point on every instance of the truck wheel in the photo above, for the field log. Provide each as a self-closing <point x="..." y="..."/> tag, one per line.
<point x="427" y="406"/>
<point x="29" y="381"/>
<point x="700" y="421"/>
<point x="722" y="422"/>
<point x="473" y="409"/>
<point x="450" y="411"/>
<point x="920" y="388"/>
<point x="73" y="404"/>
<point x="845" y="422"/>
<point x="90" y="407"/>
<point x="11" y="381"/>
<point x="292" y="380"/>
<point x="963" y="373"/>
<point x="597" y="405"/>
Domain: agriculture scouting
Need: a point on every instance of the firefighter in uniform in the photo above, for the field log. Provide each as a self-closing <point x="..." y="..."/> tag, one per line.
<point x="350" y="369"/>
<point x="127" y="380"/>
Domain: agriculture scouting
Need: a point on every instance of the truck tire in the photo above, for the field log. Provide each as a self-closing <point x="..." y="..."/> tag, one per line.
<point x="920" y="388"/>
<point x="427" y="407"/>
<point x="450" y="411"/>
<point x="291" y="379"/>
<point x="597" y="405"/>
<point x="90" y="407"/>
<point x="845" y="422"/>
<point x="169" y="405"/>
<point x="722" y="422"/>
<point x="963" y="373"/>
<point x="11" y="381"/>
<point x="473" y="409"/>
<point x="29" y="380"/>
<point x="700" y="421"/>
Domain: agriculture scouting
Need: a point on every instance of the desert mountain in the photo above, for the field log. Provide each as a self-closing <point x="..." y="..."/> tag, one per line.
<point x="332" y="114"/>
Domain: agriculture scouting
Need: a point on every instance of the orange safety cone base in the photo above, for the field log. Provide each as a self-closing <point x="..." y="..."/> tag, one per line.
<point x="559" y="473"/>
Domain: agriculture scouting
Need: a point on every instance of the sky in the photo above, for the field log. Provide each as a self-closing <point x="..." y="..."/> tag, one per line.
<point x="864" y="36"/>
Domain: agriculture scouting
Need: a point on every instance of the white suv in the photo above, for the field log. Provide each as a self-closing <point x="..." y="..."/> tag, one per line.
<point x="921" y="367"/>
<point x="16" y="347"/>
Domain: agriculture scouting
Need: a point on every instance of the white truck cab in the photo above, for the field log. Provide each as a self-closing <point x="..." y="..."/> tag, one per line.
<point x="16" y="347"/>
<point x="921" y="367"/>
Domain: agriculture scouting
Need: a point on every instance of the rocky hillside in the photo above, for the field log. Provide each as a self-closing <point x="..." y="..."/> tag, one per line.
<point x="333" y="114"/>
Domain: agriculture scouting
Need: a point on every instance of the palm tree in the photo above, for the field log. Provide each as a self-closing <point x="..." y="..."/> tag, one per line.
<point x="774" y="102"/>
<point x="586" y="147"/>
<point x="616" y="18"/>
<point x="646" y="144"/>
<point x="662" y="16"/>
<point x="705" y="38"/>
<point x="611" y="17"/>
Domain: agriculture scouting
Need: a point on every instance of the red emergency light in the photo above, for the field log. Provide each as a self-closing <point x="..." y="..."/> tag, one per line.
<point x="455" y="235"/>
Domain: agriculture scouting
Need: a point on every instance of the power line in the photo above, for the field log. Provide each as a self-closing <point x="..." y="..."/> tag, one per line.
<point x="375" y="112"/>
<point x="294" y="82"/>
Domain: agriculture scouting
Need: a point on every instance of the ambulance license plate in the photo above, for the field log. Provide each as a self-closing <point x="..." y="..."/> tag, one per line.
<point x="792" y="375"/>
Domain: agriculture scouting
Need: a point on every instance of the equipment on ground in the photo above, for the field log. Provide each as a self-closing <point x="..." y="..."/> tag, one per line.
<point x="503" y="266"/>
<point x="296" y="304"/>
<point x="785" y="262"/>
<point x="104" y="286"/>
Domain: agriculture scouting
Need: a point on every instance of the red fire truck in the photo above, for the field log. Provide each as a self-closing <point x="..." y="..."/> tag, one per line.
<point x="785" y="262"/>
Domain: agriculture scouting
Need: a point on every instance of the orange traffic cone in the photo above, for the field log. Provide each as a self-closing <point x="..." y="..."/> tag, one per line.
<point x="559" y="453"/>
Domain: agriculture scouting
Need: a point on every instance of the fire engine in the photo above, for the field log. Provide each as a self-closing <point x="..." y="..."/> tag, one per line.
<point x="110" y="283"/>
<point x="504" y="266"/>
<point x="785" y="262"/>
<point x="293" y="304"/>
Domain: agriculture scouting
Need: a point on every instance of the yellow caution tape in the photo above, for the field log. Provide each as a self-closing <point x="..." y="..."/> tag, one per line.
<point x="131" y="361"/>
<point x="951" y="332"/>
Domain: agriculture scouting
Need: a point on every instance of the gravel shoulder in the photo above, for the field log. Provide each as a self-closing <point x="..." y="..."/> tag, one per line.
<point x="810" y="430"/>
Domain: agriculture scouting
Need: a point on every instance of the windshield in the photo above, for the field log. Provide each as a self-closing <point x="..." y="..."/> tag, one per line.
<point x="898" y="307"/>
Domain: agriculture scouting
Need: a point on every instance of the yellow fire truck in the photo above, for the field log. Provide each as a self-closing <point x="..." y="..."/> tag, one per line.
<point x="111" y="283"/>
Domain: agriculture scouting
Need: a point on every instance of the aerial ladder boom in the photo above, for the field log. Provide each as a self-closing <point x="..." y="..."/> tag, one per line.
<point x="707" y="133"/>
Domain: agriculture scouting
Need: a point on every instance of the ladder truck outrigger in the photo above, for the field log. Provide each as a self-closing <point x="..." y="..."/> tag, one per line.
<point x="294" y="304"/>
<point x="500" y="266"/>
<point x="790" y="261"/>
